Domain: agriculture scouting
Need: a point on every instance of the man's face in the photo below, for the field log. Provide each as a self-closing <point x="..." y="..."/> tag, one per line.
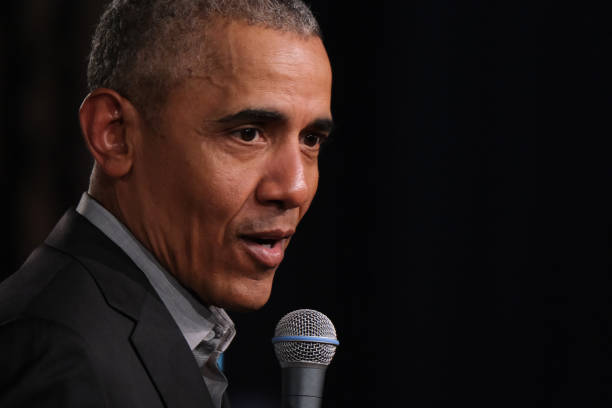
<point x="222" y="186"/>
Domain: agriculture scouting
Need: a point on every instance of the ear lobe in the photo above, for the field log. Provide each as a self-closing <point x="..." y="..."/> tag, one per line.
<point x="103" y="122"/>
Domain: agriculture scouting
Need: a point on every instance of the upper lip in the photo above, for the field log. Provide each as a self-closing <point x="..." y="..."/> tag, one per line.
<point x="275" y="234"/>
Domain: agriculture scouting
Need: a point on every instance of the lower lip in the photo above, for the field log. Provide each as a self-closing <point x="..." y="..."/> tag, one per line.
<point x="265" y="255"/>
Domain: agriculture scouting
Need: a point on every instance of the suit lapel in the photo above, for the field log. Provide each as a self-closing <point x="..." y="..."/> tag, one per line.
<point x="172" y="368"/>
<point x="156" y="338"/>
<point x="225" y="403"/>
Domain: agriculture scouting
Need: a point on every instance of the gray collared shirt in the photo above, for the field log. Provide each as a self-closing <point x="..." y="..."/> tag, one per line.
<point x="210" y="327"/>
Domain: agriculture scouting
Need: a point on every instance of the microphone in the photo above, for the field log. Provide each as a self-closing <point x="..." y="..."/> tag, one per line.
<point x="304" y="343"/>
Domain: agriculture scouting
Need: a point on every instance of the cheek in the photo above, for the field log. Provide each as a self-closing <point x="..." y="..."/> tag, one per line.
<point x="312" y="182"/>
<point x="315" y="179"/>
<point x="221" y="187"/>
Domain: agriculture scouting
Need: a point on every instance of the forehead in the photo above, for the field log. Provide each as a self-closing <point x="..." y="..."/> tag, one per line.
<point x="249" y="67"/>
<point x="235" y="43"/>
<point x="243" y="59"/>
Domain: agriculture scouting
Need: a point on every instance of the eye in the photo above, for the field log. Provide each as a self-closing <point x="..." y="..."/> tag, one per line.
<point x="247" y="134"/>
<point x="313" y="139"/>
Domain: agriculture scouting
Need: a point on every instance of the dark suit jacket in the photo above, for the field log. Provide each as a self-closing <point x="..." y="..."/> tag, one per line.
<point x="80" y="326"/>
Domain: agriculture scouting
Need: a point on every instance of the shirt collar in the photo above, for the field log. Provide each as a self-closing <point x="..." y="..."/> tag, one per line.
<point x="196" y="322"/>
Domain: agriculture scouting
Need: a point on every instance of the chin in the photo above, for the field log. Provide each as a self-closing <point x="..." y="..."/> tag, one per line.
<point x="243" y="307"/>
<point x="244" y="295"/>
<point x="246" y="302"/>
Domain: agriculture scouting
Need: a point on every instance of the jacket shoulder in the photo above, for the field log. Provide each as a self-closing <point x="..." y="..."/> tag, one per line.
<point x="22" y="287"/>
<point x="46" y="364"/>
<point x="50" y="285"/>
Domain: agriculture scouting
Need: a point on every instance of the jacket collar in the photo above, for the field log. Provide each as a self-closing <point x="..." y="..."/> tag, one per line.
<point x="156" y="337"/>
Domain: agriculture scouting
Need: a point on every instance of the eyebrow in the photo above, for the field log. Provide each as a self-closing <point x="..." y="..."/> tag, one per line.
<point x="324" y="125"/>
<point x="266" y="116"/>
<point x="254" y="115"/>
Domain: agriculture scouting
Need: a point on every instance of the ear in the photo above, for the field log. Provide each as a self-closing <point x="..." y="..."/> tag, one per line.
<point x="105" y="117"/>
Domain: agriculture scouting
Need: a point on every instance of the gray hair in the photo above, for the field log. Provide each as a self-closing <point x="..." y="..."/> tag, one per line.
<point x="139" y="48"/>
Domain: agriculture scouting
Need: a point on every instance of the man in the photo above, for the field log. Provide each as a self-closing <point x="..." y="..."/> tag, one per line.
<point x="205" y="120"/>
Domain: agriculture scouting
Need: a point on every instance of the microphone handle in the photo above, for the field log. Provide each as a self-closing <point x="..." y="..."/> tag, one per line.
<point x="302" y="387"/>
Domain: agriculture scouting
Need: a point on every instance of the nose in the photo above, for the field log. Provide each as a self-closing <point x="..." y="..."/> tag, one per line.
<point x="290" y="179"/>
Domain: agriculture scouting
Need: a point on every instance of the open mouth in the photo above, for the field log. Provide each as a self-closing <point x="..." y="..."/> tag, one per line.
<point x="267" y="242"/>
<point x="266" y="248"/>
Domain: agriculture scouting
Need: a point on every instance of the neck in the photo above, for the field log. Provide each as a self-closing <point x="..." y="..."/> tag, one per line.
<point x="102" y="189"/>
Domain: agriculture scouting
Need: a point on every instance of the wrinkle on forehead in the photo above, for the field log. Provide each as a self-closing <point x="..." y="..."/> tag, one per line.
<point x="221" y="52"/>
<point x="242" y="52"/>
<point x="258" y="67"/>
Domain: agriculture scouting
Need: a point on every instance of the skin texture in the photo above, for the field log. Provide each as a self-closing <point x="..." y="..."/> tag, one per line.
<point x="233" y="161"/>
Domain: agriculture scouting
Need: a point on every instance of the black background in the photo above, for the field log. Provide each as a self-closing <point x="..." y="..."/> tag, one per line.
<point x="460" y="237"/>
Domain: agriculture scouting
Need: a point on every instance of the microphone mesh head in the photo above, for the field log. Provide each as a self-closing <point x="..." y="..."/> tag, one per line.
<point x="305" y="322"/>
